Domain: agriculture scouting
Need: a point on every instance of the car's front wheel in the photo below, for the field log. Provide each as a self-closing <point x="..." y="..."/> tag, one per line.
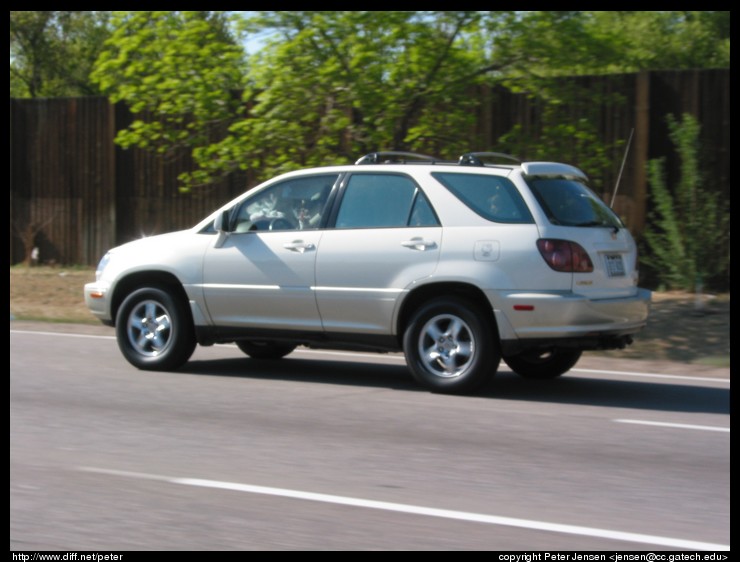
<point x="450" y="346"/>
<point x="154" y="330"/>
<point x="543" y="364"/>
<point x="265" y="350"/>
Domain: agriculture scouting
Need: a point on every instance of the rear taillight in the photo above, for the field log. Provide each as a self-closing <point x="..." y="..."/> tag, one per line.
<point x="565" y="256"/>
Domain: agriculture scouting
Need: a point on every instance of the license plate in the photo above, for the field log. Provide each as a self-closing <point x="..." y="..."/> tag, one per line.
<point x="614" y="265"/>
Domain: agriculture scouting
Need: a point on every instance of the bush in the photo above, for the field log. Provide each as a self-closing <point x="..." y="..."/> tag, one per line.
<point x="688" y="235"/>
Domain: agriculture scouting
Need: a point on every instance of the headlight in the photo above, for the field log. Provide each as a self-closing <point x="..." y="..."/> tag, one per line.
<point x="101" y="266"/>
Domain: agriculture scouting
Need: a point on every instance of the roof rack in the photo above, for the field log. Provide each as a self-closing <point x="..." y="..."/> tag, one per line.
<point x="394" y="157"/>
<point x="467" y="159"/>
<point x="476" y="158"/>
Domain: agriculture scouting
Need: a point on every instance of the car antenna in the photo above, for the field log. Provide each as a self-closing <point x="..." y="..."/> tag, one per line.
<point x="619" y="177"/>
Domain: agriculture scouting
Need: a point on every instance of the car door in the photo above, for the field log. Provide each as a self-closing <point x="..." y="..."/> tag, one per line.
<point x="385" y="238"/>
<point x="261" y="275"/>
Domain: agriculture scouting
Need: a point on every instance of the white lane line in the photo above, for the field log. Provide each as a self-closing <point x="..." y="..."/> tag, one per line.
<point x="648" y="375"/>
<point x="420" y="510"/>
<point x="62" y="334"/>
<point x="401" y="359"/>
<point x="677" y="425"/>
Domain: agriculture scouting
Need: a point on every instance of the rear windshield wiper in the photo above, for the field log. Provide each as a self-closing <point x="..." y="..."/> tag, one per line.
<point x="599" y="223"/>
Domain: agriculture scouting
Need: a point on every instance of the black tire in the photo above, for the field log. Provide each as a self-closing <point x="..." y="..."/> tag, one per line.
<point x="450" y="346"/>
<point x="543" y="364"/>
<point x="265" y="350"/>
<point x="154" y="330"/>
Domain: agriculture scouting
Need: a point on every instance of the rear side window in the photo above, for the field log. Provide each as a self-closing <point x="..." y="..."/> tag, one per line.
<point x="492" y="197"/>
<point x="383" y="201"/>
<point x="568" y="202"/>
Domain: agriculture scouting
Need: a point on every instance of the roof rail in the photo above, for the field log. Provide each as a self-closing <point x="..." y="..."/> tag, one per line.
<point x="476" y="158"/>
<point x="390" y="157"/>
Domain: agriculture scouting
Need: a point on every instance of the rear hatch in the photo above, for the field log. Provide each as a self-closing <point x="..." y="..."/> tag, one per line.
<point x="574" y="213"/>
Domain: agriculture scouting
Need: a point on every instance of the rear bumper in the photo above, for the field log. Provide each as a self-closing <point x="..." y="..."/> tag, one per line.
<point x="539" y="319"/>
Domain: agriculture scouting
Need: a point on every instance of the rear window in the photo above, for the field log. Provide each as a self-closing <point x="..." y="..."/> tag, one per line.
<point x="492" y="197"/>
<point x="571" y="203"/>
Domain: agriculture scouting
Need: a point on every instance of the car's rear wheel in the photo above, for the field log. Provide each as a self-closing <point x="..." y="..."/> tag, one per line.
<point x="450" y="346"/>
<point x="265" y="350"/>
<point x="543" y="364"/>
<point x="154" y="330"/>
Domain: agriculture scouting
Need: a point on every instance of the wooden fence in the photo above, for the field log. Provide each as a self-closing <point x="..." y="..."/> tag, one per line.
<point x="74" y="193"/>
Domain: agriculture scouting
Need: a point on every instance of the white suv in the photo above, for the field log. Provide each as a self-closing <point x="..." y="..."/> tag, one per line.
<point x="457" y="264"/>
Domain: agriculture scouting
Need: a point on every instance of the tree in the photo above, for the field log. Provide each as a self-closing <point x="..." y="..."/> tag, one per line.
<point x="179" y="72"/>
<point x="665" y="40"/>
<point x="555" y="44"/>
<point x="331" y="85"/>
<point x="52" y="53"/>
<point x="559" y="43"/>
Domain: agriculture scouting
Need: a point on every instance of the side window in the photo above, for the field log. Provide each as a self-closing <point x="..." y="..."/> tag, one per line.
<point x="422" y="213"/>
<point x="492" y="197"/>
<point x="296" y="204"/>
<point x="383" y="200"/>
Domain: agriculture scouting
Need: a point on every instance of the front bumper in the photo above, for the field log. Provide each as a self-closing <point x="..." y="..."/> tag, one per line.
<point x="97" y="302"/>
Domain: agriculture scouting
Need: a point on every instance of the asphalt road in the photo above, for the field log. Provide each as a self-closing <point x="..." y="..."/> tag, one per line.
<point x="340" y="451"/>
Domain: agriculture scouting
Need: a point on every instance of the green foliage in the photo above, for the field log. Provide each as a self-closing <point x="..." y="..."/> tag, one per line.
<point x="664" y="40"/>
<point x="568" y="43"/>
<point x="329" y="86"/>
<point x="689" y="242"/>
<point x="178" y="71"/>
<point x="52" y="53"/>
<point x="565" y="129"/>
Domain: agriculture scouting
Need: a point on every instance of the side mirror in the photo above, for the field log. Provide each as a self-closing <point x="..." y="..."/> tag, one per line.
<point x="221" y="224"/>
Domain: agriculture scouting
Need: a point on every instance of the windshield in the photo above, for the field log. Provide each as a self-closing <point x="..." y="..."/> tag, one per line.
<point x="568" y="202"/>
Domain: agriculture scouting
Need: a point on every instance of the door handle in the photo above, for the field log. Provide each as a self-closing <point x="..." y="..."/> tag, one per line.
<point x="299" y="246"/>
<point x="419" y="244"/>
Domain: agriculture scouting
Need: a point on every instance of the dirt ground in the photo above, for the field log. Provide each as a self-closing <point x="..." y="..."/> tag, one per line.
<point x="682" y="327"/>
<point x="685" y="328"/>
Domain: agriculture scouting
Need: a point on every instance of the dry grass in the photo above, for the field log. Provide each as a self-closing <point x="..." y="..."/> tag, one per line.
<point x="50" y="294"/>
<point x="678" y="329"/>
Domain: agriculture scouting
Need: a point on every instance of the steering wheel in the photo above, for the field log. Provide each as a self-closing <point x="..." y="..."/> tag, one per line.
<point x="281" y="223"/>
<point x="278" y="223"/>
